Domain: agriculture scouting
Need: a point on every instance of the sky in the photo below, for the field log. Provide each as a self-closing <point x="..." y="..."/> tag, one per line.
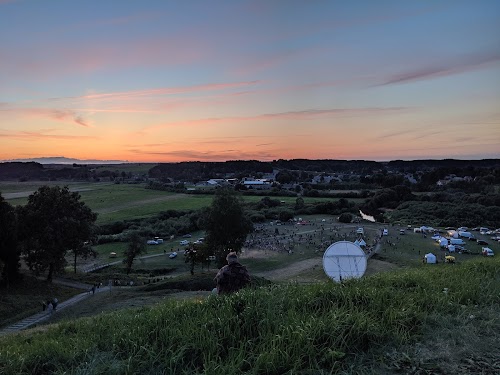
<point x="171" y="81"/>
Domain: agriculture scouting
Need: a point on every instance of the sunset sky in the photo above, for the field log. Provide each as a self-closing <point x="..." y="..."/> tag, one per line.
<point x="168" y="81"/>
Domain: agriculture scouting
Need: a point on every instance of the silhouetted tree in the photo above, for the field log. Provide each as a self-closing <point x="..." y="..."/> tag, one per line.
<point x="51" y="223"/>
<point x="226" y="224"/>
<point x="9" y="255"/>
<point x="136" y="246"/>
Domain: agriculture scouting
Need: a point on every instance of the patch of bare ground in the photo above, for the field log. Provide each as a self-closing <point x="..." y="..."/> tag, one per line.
<point x="310" y="270"/>
<point x="289" y="272"/>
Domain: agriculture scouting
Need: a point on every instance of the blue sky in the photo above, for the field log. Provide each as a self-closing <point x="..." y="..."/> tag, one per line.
<point x="219" y="80"/>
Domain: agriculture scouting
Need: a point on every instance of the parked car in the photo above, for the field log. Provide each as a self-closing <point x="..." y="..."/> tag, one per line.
<point x="184" y="242"/>
<point x="152" y="242"/>
<point x="482" y="242"/>
<point x="172" y="255"/>
<point x="187" y="236"/>
<point x="487" y="252"/>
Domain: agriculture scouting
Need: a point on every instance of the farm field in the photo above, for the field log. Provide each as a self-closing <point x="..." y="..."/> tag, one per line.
<point x="114" y="202"/>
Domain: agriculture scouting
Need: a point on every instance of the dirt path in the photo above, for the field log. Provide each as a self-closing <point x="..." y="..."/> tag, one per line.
<point x="286" y="273"/>
<point x="297" y="268"/>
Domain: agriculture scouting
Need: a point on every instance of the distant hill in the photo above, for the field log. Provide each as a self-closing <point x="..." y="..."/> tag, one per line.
<point x="64" y="160"/>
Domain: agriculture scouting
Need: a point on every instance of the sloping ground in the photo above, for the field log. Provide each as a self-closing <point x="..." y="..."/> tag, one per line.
<point x="424" y="321"/>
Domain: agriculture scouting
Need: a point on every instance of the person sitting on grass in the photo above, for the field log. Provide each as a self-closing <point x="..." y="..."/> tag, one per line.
<point x="231" y="277"/>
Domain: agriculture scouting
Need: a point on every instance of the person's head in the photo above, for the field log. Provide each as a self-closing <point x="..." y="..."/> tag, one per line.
<point x="232" y="257"/>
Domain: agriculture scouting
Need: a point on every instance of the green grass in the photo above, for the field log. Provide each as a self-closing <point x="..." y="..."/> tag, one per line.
<point x="316" y="329"/>
<point x="408" y="250"/>
<point x="115" y="202"/>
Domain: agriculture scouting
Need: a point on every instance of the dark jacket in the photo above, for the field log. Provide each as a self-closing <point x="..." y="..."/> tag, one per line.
<point x="232" y="278"/>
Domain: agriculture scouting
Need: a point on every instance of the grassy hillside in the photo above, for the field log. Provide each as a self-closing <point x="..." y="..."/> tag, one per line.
<point x="372" y="325"/>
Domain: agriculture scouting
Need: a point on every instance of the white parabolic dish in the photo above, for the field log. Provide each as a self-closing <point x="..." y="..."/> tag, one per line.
<point x="344" y="260"/>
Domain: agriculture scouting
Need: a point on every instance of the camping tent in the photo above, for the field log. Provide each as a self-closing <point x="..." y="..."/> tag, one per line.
<point x="430" y="258"/>
<point x="443" y="242"/>
<point x="360" y="242"/>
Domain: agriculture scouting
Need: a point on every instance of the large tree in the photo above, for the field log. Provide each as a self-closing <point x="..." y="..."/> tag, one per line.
<point x="53" y="222"/>
<point x="9" y="255"/>
<point x="226" y="224"/>
<point x="136" y="246"/>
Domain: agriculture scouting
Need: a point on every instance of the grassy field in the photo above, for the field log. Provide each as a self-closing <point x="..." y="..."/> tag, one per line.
<point x="114" y="202"/>
<point x="425" y="320"/>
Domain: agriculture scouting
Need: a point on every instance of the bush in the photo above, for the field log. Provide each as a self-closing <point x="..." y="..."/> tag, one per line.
<point x="345" y="218"/>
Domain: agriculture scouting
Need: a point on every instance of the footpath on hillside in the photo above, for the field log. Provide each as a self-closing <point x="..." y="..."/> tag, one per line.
<point x="275" y="275"/>
<point x="47" y="314"/>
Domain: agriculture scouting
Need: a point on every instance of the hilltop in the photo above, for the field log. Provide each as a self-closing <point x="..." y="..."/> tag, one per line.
<point x="421" y="321"/>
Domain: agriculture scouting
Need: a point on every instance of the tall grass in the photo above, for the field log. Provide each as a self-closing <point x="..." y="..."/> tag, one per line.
<point x="268" y="330"/>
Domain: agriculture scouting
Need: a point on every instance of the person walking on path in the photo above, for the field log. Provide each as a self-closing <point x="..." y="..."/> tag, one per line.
<point x="232" y="277"/>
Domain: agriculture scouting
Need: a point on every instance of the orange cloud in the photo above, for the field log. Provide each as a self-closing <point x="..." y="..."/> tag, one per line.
<point x="35" y="136"/>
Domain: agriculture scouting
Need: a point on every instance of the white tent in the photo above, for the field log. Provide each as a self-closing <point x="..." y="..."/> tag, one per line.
<point x="443" y="242"/>
<point x="425" y="229"/>
<point x="451" y="248"/>
<point x="360" y="242"/>
<point x="430" y="258"/>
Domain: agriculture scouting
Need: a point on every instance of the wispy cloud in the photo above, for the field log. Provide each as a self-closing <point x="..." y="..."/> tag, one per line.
<point x="291" y="115"/>
<point x="40" y="135"/>
<point x="457" y="66"/>
<point x="25" y="60"/>
<point x="62" y="115"/>
<point x="163" y="91"/>
<point x="219" y="155"/>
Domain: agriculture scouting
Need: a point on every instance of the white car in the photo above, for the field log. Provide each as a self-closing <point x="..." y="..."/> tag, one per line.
<point x="152" y="242"/>
<point x="487" y="252"/>
<point x="184" y="242"/>
<point x="172" y="255"/>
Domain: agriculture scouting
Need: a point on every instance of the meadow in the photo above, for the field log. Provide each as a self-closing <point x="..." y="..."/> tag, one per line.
<point x="383" y="324"/>
<point x="302" y="323"/>
<point x="114" y="202"/>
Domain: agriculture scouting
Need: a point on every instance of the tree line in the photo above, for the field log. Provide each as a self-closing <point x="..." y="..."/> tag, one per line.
<point x="55" y="223"/>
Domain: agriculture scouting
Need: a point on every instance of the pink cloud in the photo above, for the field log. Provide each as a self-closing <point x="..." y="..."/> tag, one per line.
<point x="57" y="60"/>
<point x="161" y="91"/>
<point x="292" y="115"/>
<point x="62" y="115"/>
